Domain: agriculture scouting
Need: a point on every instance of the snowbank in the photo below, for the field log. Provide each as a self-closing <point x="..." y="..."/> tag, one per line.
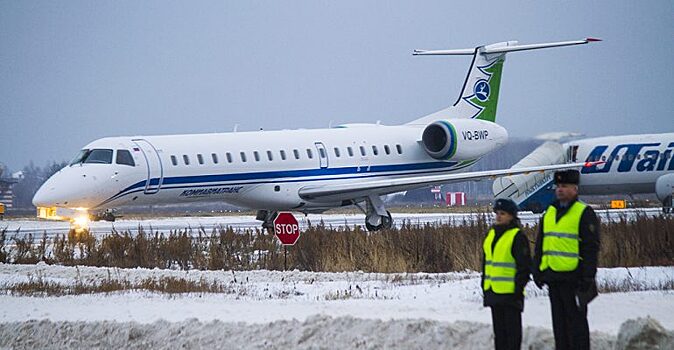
<point x="316" y="332"/>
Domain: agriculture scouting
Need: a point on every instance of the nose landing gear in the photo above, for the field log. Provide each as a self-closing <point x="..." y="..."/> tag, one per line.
<point x="105" y="216"/>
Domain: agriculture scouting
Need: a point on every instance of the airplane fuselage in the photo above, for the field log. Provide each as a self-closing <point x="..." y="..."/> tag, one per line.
<point x="262" y="169"/>
<point x="633" y="163"/>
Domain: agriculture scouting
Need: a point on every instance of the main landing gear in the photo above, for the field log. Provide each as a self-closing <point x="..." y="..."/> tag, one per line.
<point x="267" y="217"/>
<point x="376" y="215"/>
<point x="667" y="205"/>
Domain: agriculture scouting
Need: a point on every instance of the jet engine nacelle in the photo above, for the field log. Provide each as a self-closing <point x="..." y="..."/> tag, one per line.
<point x="664" y="187"/>
<point x="462" y="139"/>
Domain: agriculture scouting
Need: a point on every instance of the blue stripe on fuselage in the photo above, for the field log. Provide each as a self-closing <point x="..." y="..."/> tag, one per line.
<point x="374" y="170"/>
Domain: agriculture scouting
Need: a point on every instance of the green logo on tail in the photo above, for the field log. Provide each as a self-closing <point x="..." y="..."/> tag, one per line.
<point x="485" y="95"/>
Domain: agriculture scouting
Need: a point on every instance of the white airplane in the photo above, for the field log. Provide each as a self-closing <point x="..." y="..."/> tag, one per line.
<point x="632" y="164"/>
<point x="306" y="171"/>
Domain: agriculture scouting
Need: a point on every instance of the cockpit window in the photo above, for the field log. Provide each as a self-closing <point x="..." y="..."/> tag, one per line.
<point x="80" y="157"/>
<point x="99" y="156"/>
<point x="93" y="156"/>
<point x="124" y="157"/>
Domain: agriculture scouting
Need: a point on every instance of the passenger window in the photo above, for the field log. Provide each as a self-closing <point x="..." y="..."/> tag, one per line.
<point x="283" y="154"/>
<point x="270" y="157"/>
<point x="337" y="152"/>
<point x="243" y="156"/>
<point x="399" y="148"/>
<point x="350" y="151"/>
<point x="99" y="156"/>
<point x="174" y="160"/>
<point x="321" y="153"/>
<point x="215" y="158"/>
<point x="186" y="159"/>
<point x="200" y="159"/>
<point x="124" y="157"/>
<point x="387" y="149"/>
<point x="375" y="151"/>
<point x="229" y="157"/>
<point x="256" y="155"/>
<point x="310" y="154"/>
<point x="362" y="151"/>
<point x="296" y="153"/>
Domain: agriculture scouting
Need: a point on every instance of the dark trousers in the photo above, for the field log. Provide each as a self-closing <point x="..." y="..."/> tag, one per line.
<point x="569" y="319"/>
<point x="507" y="321"/>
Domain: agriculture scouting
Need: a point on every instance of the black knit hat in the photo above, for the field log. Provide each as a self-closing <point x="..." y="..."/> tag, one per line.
<point x="567" y="177"/>
<point x="506" y="205"/>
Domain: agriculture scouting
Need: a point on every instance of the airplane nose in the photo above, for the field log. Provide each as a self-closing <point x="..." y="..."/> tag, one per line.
<point x="54" y="191"/>
<point x="39" y="198"/>
<point x="45" y="195"/>
<point x="73" y="188"/>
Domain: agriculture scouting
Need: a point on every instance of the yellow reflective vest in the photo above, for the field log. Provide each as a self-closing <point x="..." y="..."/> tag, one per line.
<point x="560" y="239"/>
<point x="499" y="263"/>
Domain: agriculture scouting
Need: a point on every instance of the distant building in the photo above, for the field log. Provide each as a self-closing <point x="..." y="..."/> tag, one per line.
<point x="455" y="198"/>
<point x="437" y="193"/>
<point x="6" y="194"/>
<point x="6" y="183"/>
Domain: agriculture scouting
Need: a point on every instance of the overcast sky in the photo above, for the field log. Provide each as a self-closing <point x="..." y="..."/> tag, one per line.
<point x="75" y="71"/>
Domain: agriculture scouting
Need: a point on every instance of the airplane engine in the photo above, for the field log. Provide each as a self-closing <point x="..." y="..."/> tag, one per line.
<point x="462" y="139"/>
<point x="664" y="189"/>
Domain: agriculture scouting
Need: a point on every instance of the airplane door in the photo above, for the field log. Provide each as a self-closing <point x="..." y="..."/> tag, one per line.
<point x="572" y="153"/>
<point x="322" y="155"/>
<point x="155" y="169"/>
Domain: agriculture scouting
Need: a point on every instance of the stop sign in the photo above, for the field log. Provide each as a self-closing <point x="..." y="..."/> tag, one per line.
<point x="286" y="228"/>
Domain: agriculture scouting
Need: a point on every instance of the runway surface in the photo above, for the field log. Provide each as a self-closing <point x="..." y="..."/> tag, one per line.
<point x="21" y="228"/>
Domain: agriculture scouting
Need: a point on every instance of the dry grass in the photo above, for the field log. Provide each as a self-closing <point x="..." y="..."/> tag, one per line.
<point x="38" y="285"/>
<point x="411" y="248"/>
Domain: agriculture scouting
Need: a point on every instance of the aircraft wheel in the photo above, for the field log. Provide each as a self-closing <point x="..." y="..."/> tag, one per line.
<point x="385" y="222"/>
<point x="667" y="205"/>
<point x="374" y="222"/>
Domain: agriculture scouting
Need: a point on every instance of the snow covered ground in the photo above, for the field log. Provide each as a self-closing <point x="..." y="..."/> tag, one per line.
<point x="303" y="310"/>
<point x="259" y="297"/>
<point x="38" y="227"/>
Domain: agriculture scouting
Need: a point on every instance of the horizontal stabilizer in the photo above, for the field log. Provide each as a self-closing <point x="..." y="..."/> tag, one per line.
<point x="509" y="46"/>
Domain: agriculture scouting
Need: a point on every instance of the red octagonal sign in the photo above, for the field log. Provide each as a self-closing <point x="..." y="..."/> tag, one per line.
<point x="286" y="228"/>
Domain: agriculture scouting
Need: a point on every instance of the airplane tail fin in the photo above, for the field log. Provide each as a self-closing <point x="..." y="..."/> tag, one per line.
<point x="479" y="96"/>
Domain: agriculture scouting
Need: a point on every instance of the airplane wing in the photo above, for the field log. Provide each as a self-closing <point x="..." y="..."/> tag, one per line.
<point x="364" y="188"/>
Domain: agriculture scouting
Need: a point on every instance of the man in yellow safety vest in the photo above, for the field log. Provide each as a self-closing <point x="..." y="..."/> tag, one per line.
<point x="565" y="258"/>
<point x="506" y="266"/>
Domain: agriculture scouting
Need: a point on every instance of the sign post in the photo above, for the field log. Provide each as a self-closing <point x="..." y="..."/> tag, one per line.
<point x="287" y="230"/>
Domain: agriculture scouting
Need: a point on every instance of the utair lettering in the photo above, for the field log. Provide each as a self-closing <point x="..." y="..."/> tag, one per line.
<point x="471" y="135"/>
<point x="200" y="192"/>
<point x="626" y="155"/>
<point x="545" y="181"/>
